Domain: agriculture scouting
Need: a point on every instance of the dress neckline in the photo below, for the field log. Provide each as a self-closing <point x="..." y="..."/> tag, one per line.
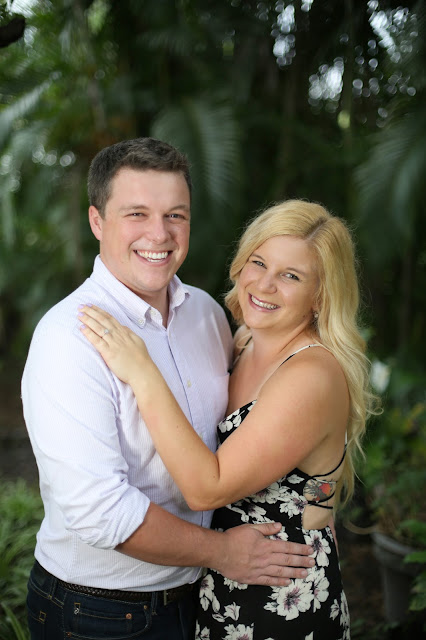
<point x="307" y="346"/>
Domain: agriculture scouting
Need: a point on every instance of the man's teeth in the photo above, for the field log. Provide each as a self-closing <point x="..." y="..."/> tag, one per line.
<point x="264" y="305"/>
<point x="152" y="255"/>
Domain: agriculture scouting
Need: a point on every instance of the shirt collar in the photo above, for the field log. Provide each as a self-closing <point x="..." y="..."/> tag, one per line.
<point x="135" y="307"/>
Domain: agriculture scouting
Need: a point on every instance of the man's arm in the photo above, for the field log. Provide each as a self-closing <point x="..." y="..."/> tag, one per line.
<point x="74" y="430"/>
<point x="243" y="553"/>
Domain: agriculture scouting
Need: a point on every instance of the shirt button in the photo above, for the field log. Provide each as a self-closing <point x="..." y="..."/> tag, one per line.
<point x="189" y="383"/>
<point x="141" y="321"/>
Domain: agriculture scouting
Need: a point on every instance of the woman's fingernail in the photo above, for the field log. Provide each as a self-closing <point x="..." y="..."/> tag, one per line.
<point x="83" y="326"/>
<point x="80" y="315"/>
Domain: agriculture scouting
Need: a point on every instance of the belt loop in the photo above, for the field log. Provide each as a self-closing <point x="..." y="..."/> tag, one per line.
<point x="154" y="603"/>
<point x="165" y="597"/>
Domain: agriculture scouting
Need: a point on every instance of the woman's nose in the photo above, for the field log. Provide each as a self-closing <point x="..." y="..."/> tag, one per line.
<point x="267" y="283"/>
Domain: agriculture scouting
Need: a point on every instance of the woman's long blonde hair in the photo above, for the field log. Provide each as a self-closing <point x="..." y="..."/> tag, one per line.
<point x="337" y="302"/>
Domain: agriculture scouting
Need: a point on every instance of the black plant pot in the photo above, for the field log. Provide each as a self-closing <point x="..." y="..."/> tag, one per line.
<point x="397" y="576"/>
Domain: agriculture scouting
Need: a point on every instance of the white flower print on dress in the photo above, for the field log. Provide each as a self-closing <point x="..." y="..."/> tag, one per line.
<point x="270" y="495"/>
<point x="203" y="634"/>
<point x="232" y="611"/>
<point x="281" y="535"/>
<point x="292" y="503"/>
<point x="223" y="613"/>
<point x="241" y="632"/>
<point x="321" y="547"/>
<point x="294" y="479"/>
<point x="291" y="600"/>
<point x="232" y="584"/>
<point x="232" y="421"/>
<point x="320" y="584"/>
<point x="219" y="617"/>
<point x="329" y="534"/>
<point x="344" y="613"/>
<point x="335" y="610"/>
<point x="207" y="595"/>
<point x="249" y="512"/>
<point x="225" y="425"/>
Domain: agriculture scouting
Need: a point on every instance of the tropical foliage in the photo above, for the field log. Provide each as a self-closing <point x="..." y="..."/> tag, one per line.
<point x="270" y="99"/>
<point x="21" y="512"/>
<point x="323" y="100"/>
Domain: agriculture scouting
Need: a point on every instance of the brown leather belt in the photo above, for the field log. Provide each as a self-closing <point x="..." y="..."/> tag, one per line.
<point x="165" y="596"/>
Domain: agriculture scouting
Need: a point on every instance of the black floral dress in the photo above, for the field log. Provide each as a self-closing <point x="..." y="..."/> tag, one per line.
<point x="313" y="608"/>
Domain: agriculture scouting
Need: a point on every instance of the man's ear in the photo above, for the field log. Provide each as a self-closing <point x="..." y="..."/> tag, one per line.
<point x="96" y="222"/>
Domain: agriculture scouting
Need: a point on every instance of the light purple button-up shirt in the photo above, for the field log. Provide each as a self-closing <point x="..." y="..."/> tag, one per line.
<point x="97" y="463"/>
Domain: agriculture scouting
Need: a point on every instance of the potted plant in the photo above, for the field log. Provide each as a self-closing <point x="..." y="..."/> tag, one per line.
<point x="394" y="477"/>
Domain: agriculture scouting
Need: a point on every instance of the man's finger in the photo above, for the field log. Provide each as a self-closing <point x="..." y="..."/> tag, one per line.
<point x="291" y="548"/>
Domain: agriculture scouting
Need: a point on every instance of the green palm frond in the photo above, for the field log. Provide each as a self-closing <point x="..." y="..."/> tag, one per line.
<point x="209" y="134"/>
<point x="11" y="628"/>
<point x="175" y="41"/>
<point x="390" y="185"/>
<point x="207" y="131"/>
<point x="22" y="107"/>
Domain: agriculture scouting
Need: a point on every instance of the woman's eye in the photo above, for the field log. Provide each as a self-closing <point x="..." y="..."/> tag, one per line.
<point x="291" y="276"/>
<point x="259" y="263"/>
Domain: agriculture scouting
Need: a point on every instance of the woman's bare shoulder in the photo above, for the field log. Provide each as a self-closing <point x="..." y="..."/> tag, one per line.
<point x="313" y="371"/>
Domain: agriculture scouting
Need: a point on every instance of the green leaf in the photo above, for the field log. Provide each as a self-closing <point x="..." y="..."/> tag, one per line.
<point x="416" y="556"/>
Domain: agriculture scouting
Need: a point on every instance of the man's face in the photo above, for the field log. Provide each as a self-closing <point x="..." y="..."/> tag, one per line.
<point x="144" y="235"/>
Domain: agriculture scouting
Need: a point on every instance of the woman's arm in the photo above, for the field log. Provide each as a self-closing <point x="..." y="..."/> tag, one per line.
<point x="283" y="428"/>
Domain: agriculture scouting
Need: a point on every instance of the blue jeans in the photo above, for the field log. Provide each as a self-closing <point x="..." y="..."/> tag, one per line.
<point x="55" y="613"/>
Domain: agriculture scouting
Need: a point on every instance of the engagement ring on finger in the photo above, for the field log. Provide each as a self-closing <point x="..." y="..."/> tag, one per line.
<point x="106" y="331"/>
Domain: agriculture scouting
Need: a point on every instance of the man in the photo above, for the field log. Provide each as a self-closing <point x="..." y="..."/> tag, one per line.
<point x="118" y="550"/>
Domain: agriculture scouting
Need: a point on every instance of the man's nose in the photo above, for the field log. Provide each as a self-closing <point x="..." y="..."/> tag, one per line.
<point x="157" y="230"/>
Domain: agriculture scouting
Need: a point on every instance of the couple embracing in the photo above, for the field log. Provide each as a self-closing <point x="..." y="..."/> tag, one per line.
<point x="127" y="394"/>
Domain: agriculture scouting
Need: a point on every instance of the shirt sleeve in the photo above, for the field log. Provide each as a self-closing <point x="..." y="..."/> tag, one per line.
<point x="71" y="407"/>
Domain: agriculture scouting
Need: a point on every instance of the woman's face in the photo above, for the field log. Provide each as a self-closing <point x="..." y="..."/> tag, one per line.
<point x="278" y="284"/>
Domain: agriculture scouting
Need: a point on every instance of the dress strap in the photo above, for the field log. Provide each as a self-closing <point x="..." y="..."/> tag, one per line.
<point x="322" y="490"/>
<point x="307" y="346"/>
<point x="241" y="350"/>
<point x="320" y="475"/>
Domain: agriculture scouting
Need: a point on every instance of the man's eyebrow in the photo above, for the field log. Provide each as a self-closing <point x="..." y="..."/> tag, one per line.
<point x="131" y="207"/>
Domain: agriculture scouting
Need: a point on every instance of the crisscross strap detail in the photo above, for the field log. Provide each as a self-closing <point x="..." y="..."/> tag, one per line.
<point x="321" y="489"/>
<point x="316" y="485"/>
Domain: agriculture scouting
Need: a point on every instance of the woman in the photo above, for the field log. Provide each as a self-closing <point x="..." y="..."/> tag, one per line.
<point x="298" y="402"/>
